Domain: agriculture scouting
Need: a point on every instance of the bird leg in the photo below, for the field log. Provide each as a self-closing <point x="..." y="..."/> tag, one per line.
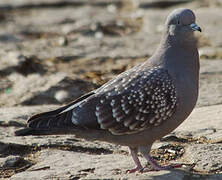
<point x="139" y="167"/>
<point x="155" y="166"/>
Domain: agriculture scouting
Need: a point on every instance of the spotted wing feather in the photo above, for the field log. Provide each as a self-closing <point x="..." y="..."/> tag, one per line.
<point x="136" y="102"/>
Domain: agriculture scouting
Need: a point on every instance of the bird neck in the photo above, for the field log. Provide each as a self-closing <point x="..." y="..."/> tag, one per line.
<point x="186" y="42"/>
<point x="171" y="53"/>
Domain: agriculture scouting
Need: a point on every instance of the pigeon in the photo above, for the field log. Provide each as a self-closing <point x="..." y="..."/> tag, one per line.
<point x="140" y="105"/>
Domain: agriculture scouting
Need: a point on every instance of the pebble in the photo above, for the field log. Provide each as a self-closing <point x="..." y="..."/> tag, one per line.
<point x="62" y="41"/>
<point x="61" y="95"/>
<point x="11" y="161"/>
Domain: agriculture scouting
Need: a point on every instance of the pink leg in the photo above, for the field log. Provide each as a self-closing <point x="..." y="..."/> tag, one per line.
<point x="155" y="166"/>
<point x="158" y="167"/>
<point x="139" y="167"/>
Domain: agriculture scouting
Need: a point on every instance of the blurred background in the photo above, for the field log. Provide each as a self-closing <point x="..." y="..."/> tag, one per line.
<point x="53" y="51"/>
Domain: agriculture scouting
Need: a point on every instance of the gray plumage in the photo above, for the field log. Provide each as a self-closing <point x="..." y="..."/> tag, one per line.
<point x="140" y="105"/>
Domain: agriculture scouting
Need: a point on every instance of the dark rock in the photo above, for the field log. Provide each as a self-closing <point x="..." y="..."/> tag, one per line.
<point x="13" y="162"/>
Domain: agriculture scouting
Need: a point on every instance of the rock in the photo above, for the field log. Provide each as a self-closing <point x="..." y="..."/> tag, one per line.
<point x="37" y="89"/>
<point x="99" y="35"/>
<point x="15" y="117"/>
<point x="210" y="76"/>
<point x="61" y="95"/>
<point x="158" y="145"/>
<point x="206" y="157"/>
<point x="13" y="58"/>
<point x="112" y="8"/>
<point x="210" y="16"/>
<point x="204" y="121"/>
<point x="210" y="53"/>
<point x="64" y="91"/>
<point x="62" y="41"/>
<point x="78" y="165"/>
<point x="161" y="3"/>
<point x="13" y="161"/>
<point x="30" y="65"/>
<point x="54" y="3"/>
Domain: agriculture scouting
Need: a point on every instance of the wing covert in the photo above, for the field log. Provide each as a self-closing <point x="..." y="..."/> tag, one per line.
<point x="136" y="101"/>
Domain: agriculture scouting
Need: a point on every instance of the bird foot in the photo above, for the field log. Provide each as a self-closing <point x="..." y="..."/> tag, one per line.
<point x="136" y="169"/>
<point x="155" y="166"/>
<point x="176" y="165"/>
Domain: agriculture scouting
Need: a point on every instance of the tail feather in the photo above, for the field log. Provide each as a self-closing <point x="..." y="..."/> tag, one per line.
<point x="61" y="109"/>
<point x="53" y="122"/>
<point x="48" y="125"/>
<point x="32" y="131"/>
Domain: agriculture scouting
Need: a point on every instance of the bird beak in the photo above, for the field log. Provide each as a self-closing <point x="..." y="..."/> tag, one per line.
<point x="195" y="27"/>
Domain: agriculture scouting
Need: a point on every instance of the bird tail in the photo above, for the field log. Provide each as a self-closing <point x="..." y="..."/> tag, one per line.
<point x="48" y="123"/>
<point x="53" y="122"/>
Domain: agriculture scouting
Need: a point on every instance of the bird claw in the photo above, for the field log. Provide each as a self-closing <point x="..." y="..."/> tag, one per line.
<point x="176" y="166"/>
<point x="137" y="169"/>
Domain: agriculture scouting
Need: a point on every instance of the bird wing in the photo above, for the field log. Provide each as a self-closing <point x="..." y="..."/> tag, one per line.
<point x="134" y="101"/>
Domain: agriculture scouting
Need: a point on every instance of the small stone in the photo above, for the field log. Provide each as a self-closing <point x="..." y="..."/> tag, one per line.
<point x="62" y="41"/>
<point x="67" y="28"/>
<point x="159" y="145"/>
<point x="160" y="28"/>
<point x="61" y="95"/>
<point x="14" y="58"/>
<point x="12" y="161"/>
<point x="99" y="35"/>
<point x="207" y="53"/>
<point x="207" y="157"/>
<point x="111" y="8"/>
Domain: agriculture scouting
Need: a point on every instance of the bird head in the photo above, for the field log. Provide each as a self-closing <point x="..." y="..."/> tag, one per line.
<point x="182" y="22"/>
